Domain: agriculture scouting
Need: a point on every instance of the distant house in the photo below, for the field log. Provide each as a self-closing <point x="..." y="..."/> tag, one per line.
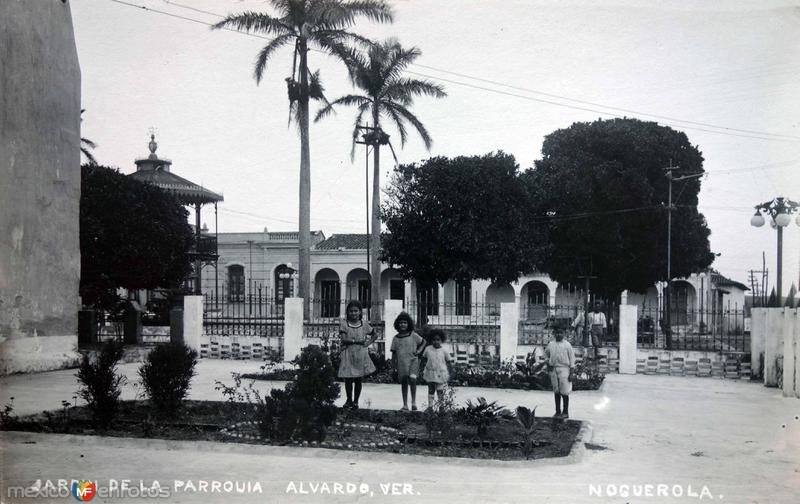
<point x="264" y="264"/>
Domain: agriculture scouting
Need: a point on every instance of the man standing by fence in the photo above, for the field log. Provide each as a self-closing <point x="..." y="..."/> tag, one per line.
<point x="594" y="326"/>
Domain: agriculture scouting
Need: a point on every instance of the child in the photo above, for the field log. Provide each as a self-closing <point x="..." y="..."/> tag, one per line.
<point x="560" y="360"/>
<point x="437" y="367"/>
<point x="406" y="347"/>
<point x="355" y="336"/>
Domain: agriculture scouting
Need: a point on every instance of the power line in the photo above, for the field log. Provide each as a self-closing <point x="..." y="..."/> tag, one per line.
<point x="725" y="130"/>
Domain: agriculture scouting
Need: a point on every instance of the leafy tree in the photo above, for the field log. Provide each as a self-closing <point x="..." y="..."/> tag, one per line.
<point x="385" y="93"/>
<point x="465" y="217"/>
<point x="132" y="235"/>
<point x="602" y="190"/>
<point x="305" y="24"/>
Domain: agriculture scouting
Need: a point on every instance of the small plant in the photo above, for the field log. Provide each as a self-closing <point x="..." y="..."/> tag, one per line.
<point x="100" y="383"/>
<point x="167" y="374"/>
<point x="439" y="418"/>
<point x="526" y="418"/>
<point x="8" y="420"/>
<point x="303" y="410"/>
<point x="482" y="414"/>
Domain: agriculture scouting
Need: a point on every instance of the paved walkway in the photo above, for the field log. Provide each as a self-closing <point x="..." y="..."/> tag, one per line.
<point x="727" y="440"/>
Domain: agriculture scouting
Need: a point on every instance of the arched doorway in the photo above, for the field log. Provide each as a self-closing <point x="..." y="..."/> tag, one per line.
<point x="535" y="297"/>
<point x="682" y="302"/>
<point x="496" y="294"/>
<point x="329" y="292"/>
<point x="236" y="287"/>
<point x="284" y="282"/>
<point x="358" y="286"/>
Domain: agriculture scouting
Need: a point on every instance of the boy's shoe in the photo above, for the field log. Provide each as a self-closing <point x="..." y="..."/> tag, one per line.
<point x="564" y="416"/>
<point x="404" y="408"/>
<point x="413" y="407"/>
<point x="347" y="405"/>
<point x="354" y="406"/>
<point x="557" y="415"/>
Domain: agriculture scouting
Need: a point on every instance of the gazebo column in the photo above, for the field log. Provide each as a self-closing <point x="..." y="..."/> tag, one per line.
<point x="198" y="263"/>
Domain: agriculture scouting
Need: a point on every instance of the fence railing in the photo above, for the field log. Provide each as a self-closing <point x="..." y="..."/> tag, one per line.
<point x="476" y="322"/>
<point x="687" y="328"/>
<point x="538" y="322"/>
<point x="242" y="315"/>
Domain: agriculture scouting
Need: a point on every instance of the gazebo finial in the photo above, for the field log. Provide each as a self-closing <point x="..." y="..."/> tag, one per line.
<point x="152" y="145"/>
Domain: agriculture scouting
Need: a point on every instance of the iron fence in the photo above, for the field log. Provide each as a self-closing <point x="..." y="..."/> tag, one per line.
<point x="538" y="322"/>
<point x="462" y="322"/>
<point x="715" y="328"/>
<point x="253" y="314"/>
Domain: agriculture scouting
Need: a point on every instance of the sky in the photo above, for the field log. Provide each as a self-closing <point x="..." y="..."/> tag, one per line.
<point x="725" y="73"/>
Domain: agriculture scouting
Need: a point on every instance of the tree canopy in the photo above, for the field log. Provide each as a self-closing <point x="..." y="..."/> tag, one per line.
<point x="132" y="235"/>
<point x="450" y="218"/>
<point x="601" y="188"/>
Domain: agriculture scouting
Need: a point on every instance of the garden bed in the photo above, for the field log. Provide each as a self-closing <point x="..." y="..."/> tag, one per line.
<point x="362" y="430"/>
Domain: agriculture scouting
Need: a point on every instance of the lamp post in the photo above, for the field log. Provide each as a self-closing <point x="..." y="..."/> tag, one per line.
<point x="288" y="274"/>
<point x="702" y="276"/>
<point x="780" y="211"/>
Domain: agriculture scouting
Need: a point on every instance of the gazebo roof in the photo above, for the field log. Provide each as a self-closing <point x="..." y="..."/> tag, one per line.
<point x="153" y="170"/>
<point x="186" y="191"/>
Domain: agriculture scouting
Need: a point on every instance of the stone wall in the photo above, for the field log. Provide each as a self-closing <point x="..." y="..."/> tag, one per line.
<point x="39" y="185"/>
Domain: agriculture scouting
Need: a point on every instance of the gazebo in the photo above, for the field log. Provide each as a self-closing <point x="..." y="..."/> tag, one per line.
<point x="156" y="171"/>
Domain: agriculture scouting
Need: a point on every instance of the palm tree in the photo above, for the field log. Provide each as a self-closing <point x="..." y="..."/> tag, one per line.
<point x="386" y="94"/>
<point x="306" y="23"/>
<point x="86" y="145"/>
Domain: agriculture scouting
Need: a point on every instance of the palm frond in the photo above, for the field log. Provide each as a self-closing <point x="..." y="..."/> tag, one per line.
<point x="263" y="55"/>
<point x="403" y="89"/>
<point x="250" y="21"/>
<point x="410" y="117"/>
<point x="338" y="14"/>
<point x="316" y="90"/>
<point x="86" y="152"/>
<point x="399" y="123"/>
<point x="347" y="100"/>
<point x="362" y="109"/>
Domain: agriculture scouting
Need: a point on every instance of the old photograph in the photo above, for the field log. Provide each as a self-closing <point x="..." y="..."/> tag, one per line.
<point x="399" y="251"/>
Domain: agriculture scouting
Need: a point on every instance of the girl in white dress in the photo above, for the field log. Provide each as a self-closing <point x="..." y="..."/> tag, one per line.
<point x="437" y="367"/>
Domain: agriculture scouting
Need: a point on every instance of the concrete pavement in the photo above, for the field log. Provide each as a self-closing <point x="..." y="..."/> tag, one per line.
<point x="702" y="439"/>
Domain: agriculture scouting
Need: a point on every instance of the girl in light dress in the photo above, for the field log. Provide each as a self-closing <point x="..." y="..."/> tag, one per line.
<point x="437" y="367"/>
<point x="406" y="348"/>
<point x="355" y="336"/>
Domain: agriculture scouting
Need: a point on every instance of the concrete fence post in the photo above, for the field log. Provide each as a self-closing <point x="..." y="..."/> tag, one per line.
<point x="758" y="327"/>
<point x="790" y="352"/>
<point x="292" y="328"/>
<point x="773" y="345"/>
<point x="628" y="318"/>
<point x="391" y="309"/>
<point x="193" y="321"/>
<point x="509" y="330"/>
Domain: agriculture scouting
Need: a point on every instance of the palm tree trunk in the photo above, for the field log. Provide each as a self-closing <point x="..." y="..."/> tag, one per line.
<point x="304" y="287"/>
<point x="375" y="236"/>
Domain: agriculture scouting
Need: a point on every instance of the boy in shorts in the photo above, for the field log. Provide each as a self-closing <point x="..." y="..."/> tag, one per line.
<point x="560" y="358"/>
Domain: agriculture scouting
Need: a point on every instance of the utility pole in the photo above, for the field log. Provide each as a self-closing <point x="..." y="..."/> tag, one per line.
<point x="670" y="207"/>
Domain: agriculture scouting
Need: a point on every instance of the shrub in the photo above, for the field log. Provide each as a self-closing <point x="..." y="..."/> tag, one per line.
<point x="439" y="418"/>
<point x="482" y="414"/>
<point x="8" y="420"/>
<point x="526" y="418"/>
<point x="100" y="384"/>
<point x="303" y="410"/>
<point x="166" y="375"/>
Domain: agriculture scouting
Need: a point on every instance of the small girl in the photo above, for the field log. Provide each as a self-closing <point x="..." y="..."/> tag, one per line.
<point x="437" y="367"/>
<point x="355" y="336"/>
<point x="406" y="348"/>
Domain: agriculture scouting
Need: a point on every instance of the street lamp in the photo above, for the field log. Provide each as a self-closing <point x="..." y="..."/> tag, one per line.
<point x="702" y="276"/>
<point x="780" y="212"/>
<point x="288" y="274"/>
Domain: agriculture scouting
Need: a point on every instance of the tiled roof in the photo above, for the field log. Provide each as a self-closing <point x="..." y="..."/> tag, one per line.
<point x="344" y="241"/>
<point x="187" y="191"/>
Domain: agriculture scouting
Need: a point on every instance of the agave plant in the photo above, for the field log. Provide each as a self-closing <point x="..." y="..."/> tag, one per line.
<point x="482" y="414"/>
<point x="526" y="419"/>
